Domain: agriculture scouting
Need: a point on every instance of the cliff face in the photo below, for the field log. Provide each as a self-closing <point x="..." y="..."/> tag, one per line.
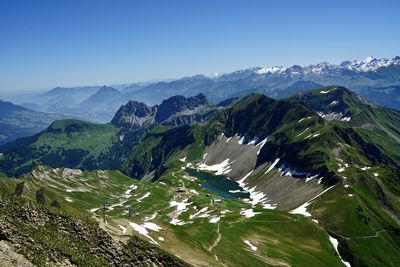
<point x="178" y="104"/>
<point x="134" y="114"/>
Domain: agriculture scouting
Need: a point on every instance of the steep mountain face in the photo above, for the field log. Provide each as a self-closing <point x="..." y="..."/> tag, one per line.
<point x="17" y="121"/>
<point x="134" y="114"/>
<point x="179" y="105"/>
<point x="176" y="110"/>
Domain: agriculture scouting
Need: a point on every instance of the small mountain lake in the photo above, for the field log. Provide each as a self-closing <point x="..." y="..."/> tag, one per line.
<point x="219" y="184"/>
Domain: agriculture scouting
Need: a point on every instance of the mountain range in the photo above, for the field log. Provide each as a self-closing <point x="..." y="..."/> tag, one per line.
<point x="374" y="79"/>
<point x="310" y="179"/>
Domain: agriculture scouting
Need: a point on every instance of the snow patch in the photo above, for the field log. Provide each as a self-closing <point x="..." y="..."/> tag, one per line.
<point x="152" y="217"/>
<point x="215" y="219"/>
<point x="272" y="165"/>
<point x="261" y="144"/>
<point x="193" y="191"/>
<point x="325" y="92"/>
<point x="143" y="197"/>
<point x="180" y="206"/>
<point x="253" y="141"/>
<point x="335" y="244"/>
<point x="219" y="169"/>
<point x="254" y="248"/>
<point x="249" y="213"/>
<point x="302" y="210"/>
<point x="178" y="222"/>
<point x="334" y="103"/>
<point x="152" y="226"/>
<point x="141" y="229"/>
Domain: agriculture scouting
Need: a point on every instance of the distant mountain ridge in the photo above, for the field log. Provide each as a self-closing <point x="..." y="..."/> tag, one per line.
<point x="366" y="65"/>
<point x="17" y="121"/>
<point x="367" y="77"/>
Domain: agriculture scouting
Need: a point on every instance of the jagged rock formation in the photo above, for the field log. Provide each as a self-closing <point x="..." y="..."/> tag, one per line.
<point x="176" y="110"/>
<point x="179" y="104"/>
<point x="134" y="114"/>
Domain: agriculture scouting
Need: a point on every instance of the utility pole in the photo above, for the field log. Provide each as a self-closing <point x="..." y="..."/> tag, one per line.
<point x="104" y="211"/>
<point x="129" y="212"/>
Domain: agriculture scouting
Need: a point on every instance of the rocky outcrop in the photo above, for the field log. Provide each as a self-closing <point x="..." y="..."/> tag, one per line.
<point x="134" y="114"/>
<point x="19" y="189"/>
<point x="176" y="110"/>
<point x="8" y="257"/>
<point x="180" y="104"/>
<point x="40" y="198"/>
<point x="51" y="237"/>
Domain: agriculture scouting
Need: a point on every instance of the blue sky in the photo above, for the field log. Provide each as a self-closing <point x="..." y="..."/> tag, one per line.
<point x="44" y="44"/>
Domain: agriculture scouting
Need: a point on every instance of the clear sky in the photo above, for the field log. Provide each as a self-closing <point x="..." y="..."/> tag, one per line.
<point x="44" y="44"/>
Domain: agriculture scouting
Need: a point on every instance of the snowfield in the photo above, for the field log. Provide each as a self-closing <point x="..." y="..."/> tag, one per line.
<point x="219" y="169"/>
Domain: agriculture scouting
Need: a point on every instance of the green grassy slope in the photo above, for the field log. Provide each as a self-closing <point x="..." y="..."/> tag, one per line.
<point x="49" y="236"/>
<point x="69" y="143"/>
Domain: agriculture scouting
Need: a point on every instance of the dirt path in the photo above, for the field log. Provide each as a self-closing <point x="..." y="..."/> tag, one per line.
<point x="215" y="243"/>
<point x="362" y="237"/>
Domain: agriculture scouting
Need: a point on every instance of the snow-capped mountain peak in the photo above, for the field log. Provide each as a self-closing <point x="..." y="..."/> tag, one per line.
<point x="274" y="69"/>
<point x="216" y="74"/>
<point x="368" y="64"/>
